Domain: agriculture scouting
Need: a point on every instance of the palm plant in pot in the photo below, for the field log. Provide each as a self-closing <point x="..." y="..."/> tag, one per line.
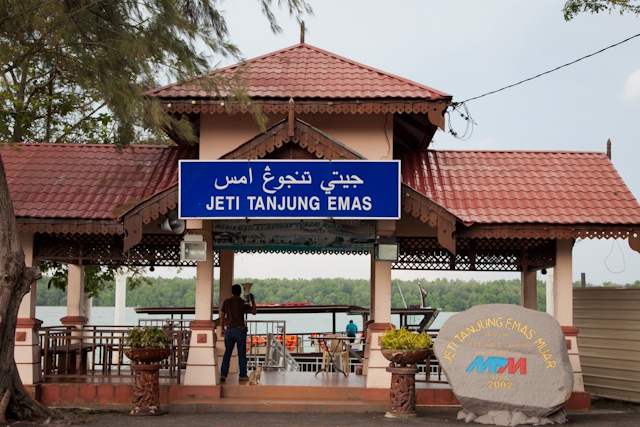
<point x="147" y="344"/>
<point x="403" y="347"/>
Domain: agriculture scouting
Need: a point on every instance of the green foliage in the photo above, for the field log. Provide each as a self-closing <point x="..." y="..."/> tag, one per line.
<point x="574" y="7"/>
<point x="147" y="337"/>
<point x="577" y="284"/>
<point x="97" y="279"/>
<point x="402" y="339"/>
<point x="76" y="71"/>
<point x="449" y="295"/>
<point x="175" y="292"/>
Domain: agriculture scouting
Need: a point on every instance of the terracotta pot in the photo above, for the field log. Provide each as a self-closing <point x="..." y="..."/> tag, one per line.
<point x="405" y="357"/>
<point x="147" y="355"/>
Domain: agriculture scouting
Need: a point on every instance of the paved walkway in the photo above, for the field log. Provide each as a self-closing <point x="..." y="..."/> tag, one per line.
<point x="604" y="413"/>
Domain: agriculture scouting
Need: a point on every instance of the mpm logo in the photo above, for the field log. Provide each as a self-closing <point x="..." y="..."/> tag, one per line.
<point x="497" y="365"/>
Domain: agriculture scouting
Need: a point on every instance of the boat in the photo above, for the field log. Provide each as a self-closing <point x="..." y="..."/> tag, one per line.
<point x="296" y="304"/>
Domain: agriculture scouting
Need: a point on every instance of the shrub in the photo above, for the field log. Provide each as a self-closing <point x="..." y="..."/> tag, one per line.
<point x="403" y="339"/>
<point x="148" y="337"/>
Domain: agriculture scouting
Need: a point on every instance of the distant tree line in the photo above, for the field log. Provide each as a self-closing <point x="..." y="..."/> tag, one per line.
<point x="450" y="295"/>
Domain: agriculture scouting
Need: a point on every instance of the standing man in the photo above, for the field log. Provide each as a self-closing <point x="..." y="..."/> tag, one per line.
<point x="235" y="331"/>
<point x="352" y="330"/>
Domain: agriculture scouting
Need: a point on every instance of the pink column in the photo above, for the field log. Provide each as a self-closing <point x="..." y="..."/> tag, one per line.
<point x="27" y="346"/>
<point x="75" y="297"/>
<point x="377" y="376"/>
<point x="202" y="367"/>
<point x="227" y="262"/>
<point x="563" y="306"/>
<point x="372" y="302"/>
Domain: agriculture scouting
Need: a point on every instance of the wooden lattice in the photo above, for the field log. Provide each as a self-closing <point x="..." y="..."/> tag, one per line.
<point x="159" y="250"/>
<point x="475" y="254"/>
<point x="415" y="253"/>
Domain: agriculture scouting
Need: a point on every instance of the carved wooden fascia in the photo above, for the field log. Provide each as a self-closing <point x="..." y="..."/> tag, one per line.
<point x="634" y="240"/>
<point x="433" y="214"/>
<point x="145" y="212"/>
<point x="433" y="109"/>
<point x="550" y="231"/>
<point x="69" y="226"/>
<point x="304" y="135"/>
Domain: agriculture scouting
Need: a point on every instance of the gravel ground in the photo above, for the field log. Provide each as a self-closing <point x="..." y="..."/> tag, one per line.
<point x="603" y="413"/>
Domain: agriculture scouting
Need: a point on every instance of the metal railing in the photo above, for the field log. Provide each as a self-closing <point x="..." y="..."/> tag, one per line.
<point x="269" y="345"/>
<point x="98" y="351"/>
<point x="180" y="324"/>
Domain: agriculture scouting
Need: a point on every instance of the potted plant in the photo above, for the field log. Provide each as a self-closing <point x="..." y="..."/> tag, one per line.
<point x="147" y="344"/>
<point x="404" y="347"/>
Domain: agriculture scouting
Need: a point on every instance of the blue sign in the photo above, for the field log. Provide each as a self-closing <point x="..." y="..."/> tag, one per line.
<point x="342" y="189"/>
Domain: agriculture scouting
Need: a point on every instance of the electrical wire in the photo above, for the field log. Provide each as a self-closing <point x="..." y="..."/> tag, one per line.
<point x="547" y="72"/>
<point x="458" y="106"/>
<point x="468" y="131"/>
<point x="615" y="242"/>
<point x="387" y="137"/>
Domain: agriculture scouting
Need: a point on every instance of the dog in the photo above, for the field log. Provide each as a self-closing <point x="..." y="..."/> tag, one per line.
<point x="254" y="377"/>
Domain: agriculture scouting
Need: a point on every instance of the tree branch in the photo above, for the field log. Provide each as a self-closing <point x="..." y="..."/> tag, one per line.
<point x="80" y="122"/>
<point x="24" y="12"/>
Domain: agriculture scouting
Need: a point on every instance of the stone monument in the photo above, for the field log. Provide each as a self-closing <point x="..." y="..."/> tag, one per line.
<point x="506" y="364"/>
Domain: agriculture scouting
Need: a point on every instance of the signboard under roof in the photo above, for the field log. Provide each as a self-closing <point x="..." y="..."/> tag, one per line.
<point x="343" y="189"/>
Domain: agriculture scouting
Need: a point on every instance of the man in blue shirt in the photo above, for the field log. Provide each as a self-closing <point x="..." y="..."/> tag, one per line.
<point x="352" y="329"/>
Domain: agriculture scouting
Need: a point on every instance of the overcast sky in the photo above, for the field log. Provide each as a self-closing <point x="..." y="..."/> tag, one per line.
<point x="468" y="48"/>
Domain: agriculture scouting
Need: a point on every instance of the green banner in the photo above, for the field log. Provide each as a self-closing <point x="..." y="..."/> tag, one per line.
<point x="312" y="235"/>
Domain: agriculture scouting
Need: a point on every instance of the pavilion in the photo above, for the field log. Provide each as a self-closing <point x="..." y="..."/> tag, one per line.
<point x="461" y="210"/>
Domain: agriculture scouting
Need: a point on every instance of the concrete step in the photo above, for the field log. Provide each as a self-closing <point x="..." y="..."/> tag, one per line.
<point x="230" y="404"/>
<point x="291" y="392"/>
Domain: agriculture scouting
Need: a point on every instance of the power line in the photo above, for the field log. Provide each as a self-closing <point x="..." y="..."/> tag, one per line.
<point x="550" y="71"/>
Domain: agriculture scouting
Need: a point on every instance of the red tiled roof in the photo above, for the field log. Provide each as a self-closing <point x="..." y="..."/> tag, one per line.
<point x="87" y="181"/>
<point x="522" y="186"/>
<point x="304" y="71"/>
<point x="483" y="187"/>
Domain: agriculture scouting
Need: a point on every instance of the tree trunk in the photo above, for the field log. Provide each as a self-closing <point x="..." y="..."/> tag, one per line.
<point x="15" y="282"/>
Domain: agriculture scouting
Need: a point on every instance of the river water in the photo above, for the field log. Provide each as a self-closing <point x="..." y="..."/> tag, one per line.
<point x="296" y="323"/>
